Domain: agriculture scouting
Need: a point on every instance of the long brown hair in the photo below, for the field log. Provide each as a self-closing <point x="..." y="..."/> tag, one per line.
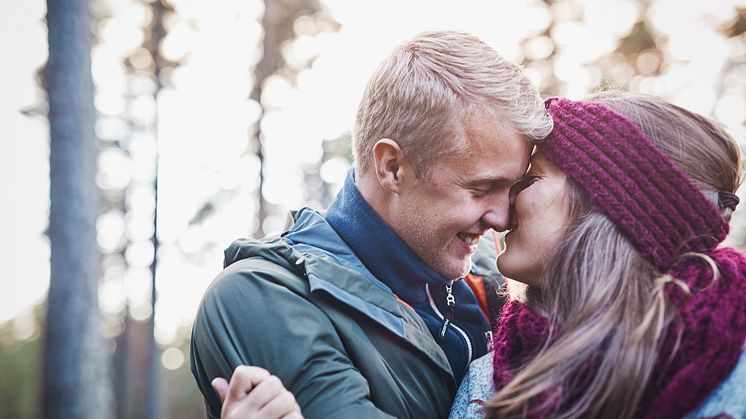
<point x="604" y="302"/>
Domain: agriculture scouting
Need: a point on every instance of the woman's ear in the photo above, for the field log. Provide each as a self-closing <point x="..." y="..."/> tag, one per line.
<point x="390" y="164"/>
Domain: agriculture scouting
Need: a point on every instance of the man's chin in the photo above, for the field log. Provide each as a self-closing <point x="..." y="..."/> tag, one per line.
<point x="456" y="271"/>
<point x="466" y="269"/>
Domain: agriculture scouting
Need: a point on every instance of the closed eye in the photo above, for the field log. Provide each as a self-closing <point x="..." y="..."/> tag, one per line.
<point x="527" y="180"/>
<point x="480" y="191"/>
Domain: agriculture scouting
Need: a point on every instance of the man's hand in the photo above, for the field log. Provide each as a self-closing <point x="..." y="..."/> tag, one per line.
<point x="255" y="394"/>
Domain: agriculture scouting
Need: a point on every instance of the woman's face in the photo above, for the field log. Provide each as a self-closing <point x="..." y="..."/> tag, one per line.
<point x="539" y="216"/>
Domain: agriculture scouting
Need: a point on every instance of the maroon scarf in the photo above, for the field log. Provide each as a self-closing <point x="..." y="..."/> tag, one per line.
<point x="712" y="322"/>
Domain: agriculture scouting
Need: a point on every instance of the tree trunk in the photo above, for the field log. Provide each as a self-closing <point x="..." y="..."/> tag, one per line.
<point x="264" y="68"/>
<point x="277" y="23"/>
<point x="153" y="388"/>
<point x="75" y="381"/>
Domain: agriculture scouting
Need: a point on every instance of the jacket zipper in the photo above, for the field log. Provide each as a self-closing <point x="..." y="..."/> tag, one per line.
<point x="446" y="321"/>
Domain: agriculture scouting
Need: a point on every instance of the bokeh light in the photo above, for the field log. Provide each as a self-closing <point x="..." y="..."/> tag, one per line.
<point x="204" y="116"/>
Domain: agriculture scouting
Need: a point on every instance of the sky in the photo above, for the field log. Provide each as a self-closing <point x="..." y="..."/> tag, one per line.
<point x="205" y="115"/>
<point x="24" y="169"/>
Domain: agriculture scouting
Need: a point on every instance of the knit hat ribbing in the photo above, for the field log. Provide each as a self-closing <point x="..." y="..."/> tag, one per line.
<point x="632" y="182"/>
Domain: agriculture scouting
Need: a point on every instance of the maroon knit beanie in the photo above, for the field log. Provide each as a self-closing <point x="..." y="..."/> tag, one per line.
<point x="645" y="194"/>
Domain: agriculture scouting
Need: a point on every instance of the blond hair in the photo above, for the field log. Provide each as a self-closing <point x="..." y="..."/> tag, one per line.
<point x="424" y="93"/>
<point x="605" y="303"/>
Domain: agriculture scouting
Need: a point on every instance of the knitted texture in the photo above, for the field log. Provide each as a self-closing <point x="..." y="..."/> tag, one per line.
<point x="700" y="349"/>
<point x="712" y="326"/>
<point x="518" y="338"/>
<point x="632" y="182"/>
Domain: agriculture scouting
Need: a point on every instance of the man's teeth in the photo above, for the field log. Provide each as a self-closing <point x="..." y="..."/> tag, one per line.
<point x="470" y="239"/>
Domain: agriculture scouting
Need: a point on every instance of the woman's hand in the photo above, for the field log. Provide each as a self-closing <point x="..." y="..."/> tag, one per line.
<point x="255" y="394"/>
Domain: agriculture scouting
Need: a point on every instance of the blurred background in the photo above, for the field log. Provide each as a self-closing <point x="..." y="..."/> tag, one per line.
<point x="220" y="116"/>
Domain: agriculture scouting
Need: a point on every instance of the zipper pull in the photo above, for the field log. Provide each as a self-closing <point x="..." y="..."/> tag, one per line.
<point x="448" y="316"/>
<point x="450" y="299"/>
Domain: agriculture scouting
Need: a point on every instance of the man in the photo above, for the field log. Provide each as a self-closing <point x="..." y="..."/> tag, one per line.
<point x="360" y="311"/>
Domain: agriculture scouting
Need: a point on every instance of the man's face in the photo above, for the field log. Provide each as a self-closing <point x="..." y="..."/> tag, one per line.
<point x="444" y="213"/>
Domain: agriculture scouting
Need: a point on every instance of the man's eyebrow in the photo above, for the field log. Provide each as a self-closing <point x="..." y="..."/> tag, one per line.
<point x="484" y="180"/>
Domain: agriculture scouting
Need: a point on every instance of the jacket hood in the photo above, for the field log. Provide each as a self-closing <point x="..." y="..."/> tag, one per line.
<point x="309" y="236"/>
<point x="269" y="248"/>
<point x="313" y="250"/>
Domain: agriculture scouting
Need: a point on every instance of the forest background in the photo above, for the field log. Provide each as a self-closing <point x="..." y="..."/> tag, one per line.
<point x="169" y="128"/>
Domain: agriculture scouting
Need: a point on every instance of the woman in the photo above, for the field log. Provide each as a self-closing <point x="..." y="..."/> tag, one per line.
<point x="628" y="307"/>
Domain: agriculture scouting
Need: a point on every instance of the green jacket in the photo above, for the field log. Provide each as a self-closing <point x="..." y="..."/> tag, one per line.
<point x="339" y="342"/>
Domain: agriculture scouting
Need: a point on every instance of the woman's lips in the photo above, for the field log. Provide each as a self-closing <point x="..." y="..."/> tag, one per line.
<point x="510" y="231"/>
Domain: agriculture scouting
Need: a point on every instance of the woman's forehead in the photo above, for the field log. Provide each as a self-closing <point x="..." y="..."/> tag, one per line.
<point x="541" y="163"/>
<point x="538" y="158"/>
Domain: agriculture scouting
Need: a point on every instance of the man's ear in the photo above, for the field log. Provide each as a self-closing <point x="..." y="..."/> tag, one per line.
<point x="390" y="164"/>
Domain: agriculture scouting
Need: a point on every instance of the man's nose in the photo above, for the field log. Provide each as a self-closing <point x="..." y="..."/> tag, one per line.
<point x="497" y="213"/>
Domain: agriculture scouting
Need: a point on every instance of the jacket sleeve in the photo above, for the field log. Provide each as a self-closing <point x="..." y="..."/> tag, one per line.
<point x="246" y="318"/>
